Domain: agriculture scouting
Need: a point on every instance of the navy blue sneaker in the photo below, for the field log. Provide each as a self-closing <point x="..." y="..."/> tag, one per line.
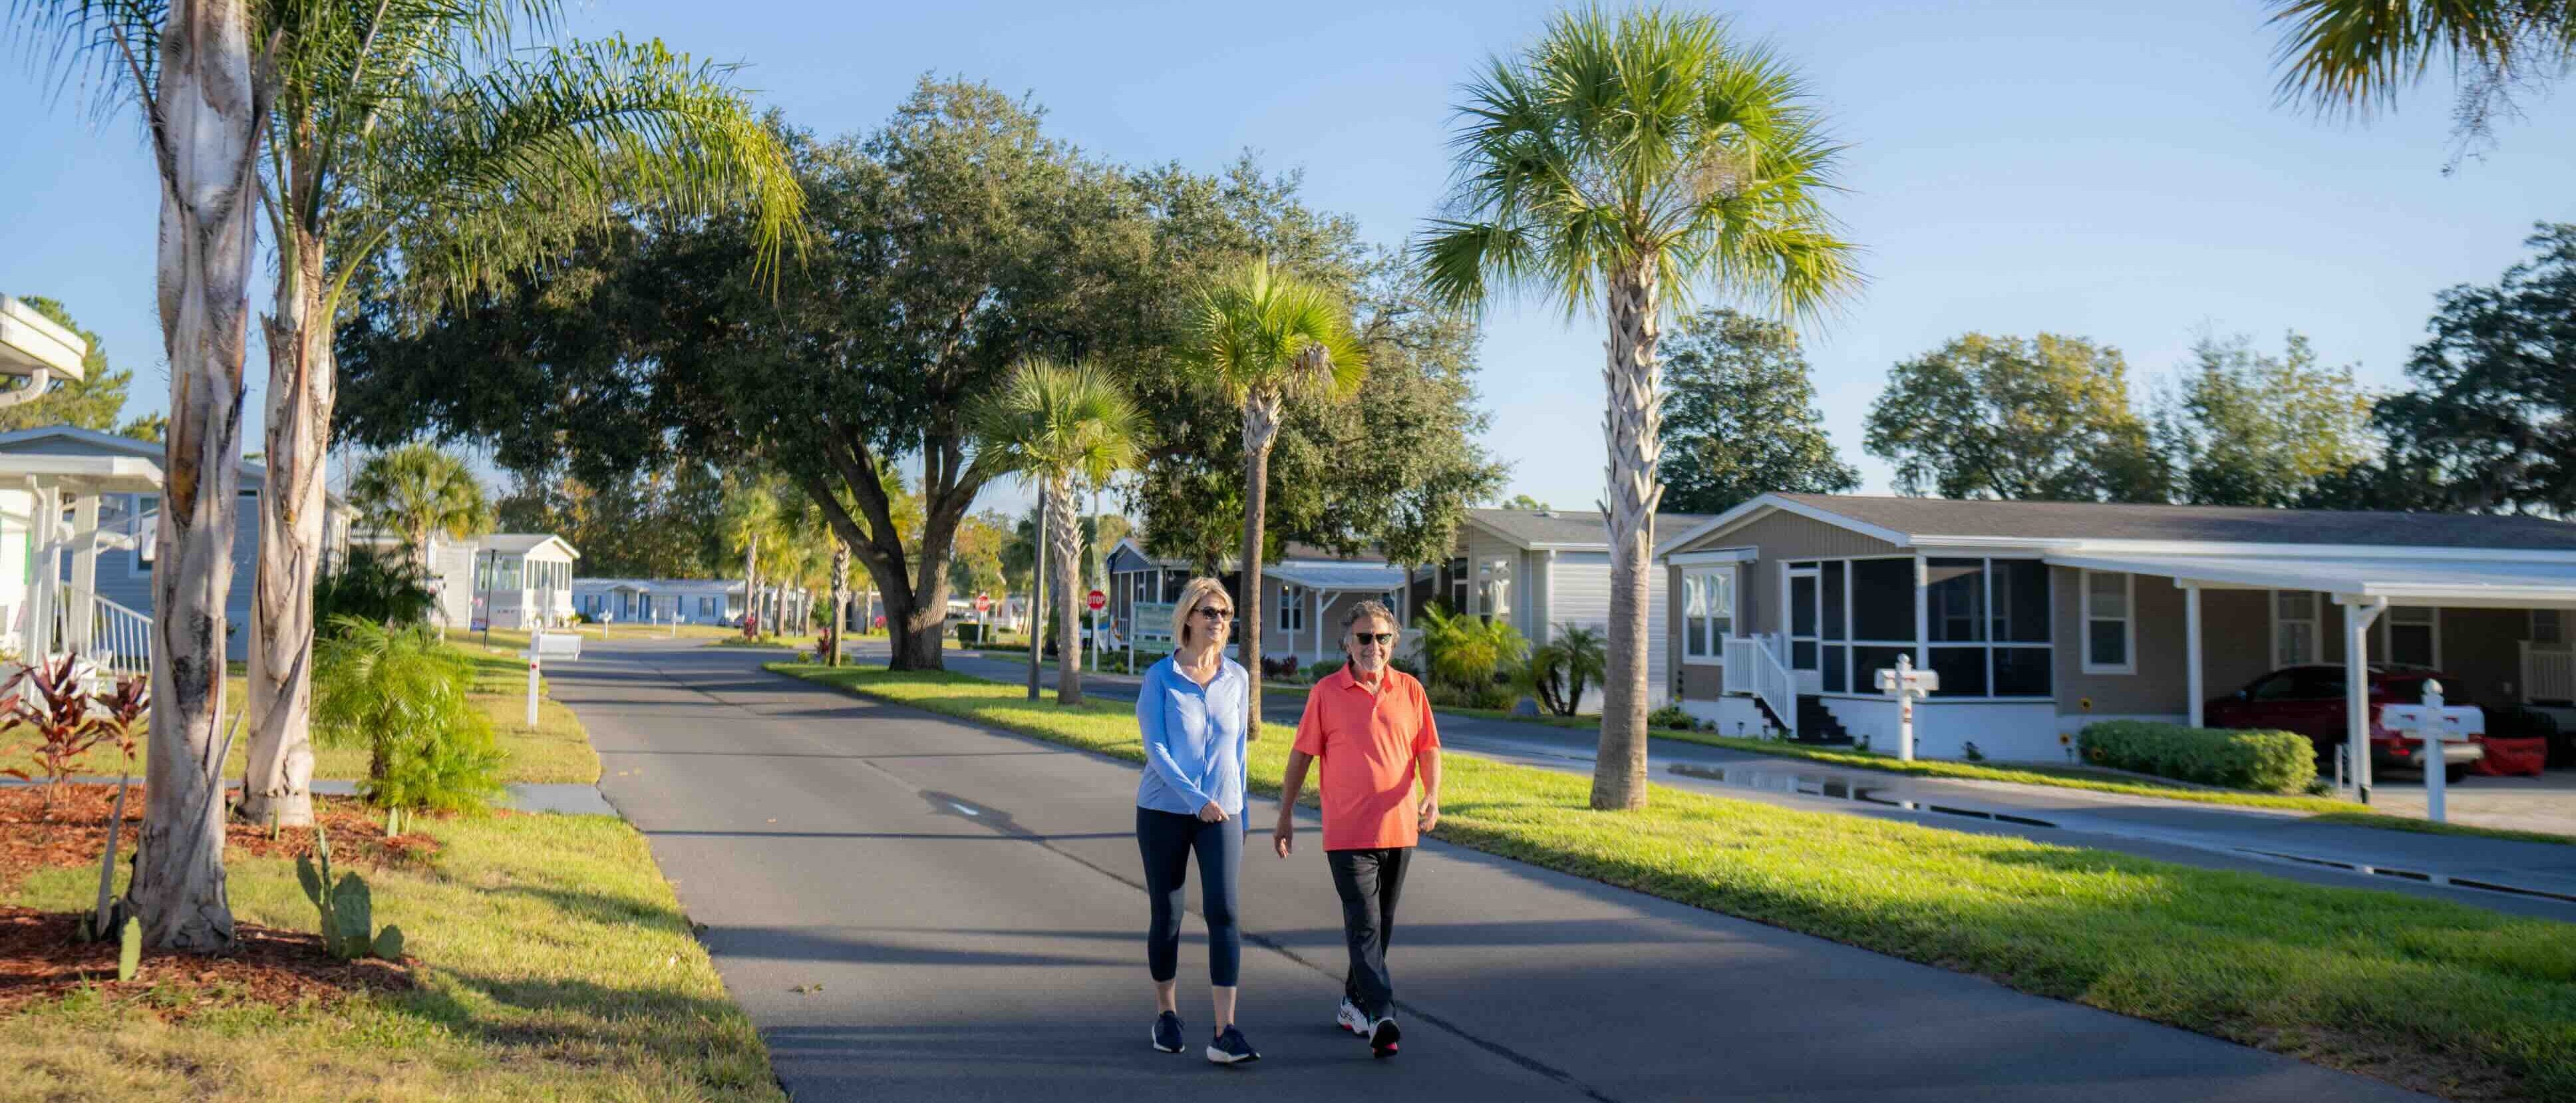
<point x="1229" y="1048"/>
<point x="1167" y="1032"/>
<point x="1383" y="1037"/>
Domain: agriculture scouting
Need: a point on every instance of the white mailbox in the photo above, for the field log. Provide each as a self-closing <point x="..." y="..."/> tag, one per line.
<point x="2436" y="724"/>
<point x="1904" y="683"/>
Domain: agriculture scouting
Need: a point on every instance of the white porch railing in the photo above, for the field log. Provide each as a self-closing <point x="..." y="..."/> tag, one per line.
<point x="117" y="639"/>
<point x="1752" y="667"/>
<point x="2548" y="673"/>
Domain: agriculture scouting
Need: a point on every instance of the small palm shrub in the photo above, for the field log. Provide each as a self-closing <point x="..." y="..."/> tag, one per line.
<point x="402" y="695"/>
<point x="1671" y="718"/>
<point x="1559" y="670"/>
<point x="368" y="586"/>
<point x="1322" y="669"/>
<point x="1471" y="659"/>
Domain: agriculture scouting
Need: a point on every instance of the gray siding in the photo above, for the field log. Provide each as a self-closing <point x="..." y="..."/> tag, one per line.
<point x="120" y="581"/>
<point x="2160" y="686"/>
<point x="1782" y="536"/>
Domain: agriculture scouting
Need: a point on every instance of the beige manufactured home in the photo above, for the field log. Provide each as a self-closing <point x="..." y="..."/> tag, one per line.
<point x="2042" y="616"/>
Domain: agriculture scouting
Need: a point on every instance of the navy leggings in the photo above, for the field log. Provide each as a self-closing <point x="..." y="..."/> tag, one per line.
<point x="1166" y="840"/>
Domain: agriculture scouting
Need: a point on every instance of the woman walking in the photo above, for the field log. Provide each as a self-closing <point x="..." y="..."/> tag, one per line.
<point x="1191" y="711"/>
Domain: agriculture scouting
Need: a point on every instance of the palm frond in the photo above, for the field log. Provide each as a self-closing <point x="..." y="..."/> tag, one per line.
<point x="1053" y="420"/>
<point x="111" y="48"/>
<point x="1261" y="331"/>
<point x="2353" y="57"/>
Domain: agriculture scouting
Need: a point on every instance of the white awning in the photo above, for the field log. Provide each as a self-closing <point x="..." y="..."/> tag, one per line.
<point x="2505" y="581"/>
<point x="1336" y="577"/>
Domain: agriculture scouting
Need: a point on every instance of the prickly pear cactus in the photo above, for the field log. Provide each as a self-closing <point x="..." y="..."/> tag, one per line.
<point x="129" y="952"/>
<point x="353" y="918"/>
<point x="389" y="943"/>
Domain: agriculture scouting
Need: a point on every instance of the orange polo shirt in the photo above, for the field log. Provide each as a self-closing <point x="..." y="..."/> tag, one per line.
<point x="1365" y="742"/>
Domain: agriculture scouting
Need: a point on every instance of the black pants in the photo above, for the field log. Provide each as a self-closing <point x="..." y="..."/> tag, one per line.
<point x="1167" y="839"/>
<point x="1369" y="881"/>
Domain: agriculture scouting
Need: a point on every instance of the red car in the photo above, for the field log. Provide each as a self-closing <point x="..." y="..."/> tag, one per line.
<point x="2309" y="700"/>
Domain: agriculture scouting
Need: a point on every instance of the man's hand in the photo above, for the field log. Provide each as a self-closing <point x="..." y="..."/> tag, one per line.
<point x="1211" y="813"/>
<point x="1430" y="812"/>
<point x="1283" y="838"/>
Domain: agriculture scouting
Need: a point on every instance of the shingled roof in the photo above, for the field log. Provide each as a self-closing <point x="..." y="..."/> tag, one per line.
<point x="1924" y="518"/>
<point x="1541" y="528"/>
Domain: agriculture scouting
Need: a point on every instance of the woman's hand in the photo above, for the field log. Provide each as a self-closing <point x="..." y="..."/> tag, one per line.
<point x="1211" y="813"/>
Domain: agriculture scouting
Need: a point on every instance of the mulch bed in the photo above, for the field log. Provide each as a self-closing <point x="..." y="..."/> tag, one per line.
<point x="40" y="960"/>
<point x="75" y="834"/>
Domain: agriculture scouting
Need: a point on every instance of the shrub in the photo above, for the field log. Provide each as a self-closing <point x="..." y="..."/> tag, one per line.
<point x="970" y="633"/>
<point x="1470" y="653"/>
<point x="1671" y="717"/>
<point x="2268" y="761"/>
<point x="371" y="587"/>
<point x="403" y="696"/>
<point x="51" y="700"/>
<point x="1558" y="670"/>
<point x="1320" y="670"/>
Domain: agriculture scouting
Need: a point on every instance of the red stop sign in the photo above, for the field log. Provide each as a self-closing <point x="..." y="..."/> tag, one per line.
<point x="1096" y="600"/>
<point x="983" y="602"/>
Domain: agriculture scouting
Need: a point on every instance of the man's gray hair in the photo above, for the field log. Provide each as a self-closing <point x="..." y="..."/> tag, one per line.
<point x="1367" y="609"/>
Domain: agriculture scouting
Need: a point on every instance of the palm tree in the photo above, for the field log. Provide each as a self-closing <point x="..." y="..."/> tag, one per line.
<point x="1264" y="339"/>
<point x="1055" y="422"/>
<point x="420" y="492"/>
<point x="2354" y="56"/>
<point x="202" y="110"/>
<point x="430" y="136"/>
<point x="1615" y="163"/>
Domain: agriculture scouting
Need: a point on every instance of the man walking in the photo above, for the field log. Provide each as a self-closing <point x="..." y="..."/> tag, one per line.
<point x="1370" y="725"/>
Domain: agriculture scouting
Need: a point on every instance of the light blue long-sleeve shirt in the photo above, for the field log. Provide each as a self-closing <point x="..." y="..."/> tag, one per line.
<point x="1193" y="739"/>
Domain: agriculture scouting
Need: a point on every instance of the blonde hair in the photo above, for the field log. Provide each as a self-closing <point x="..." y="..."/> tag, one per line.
<point x="1196" y="591"/>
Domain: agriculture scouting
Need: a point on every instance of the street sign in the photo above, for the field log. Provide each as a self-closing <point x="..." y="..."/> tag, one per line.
<point x="983" y="602"/>
<point x="1096" y="600"/>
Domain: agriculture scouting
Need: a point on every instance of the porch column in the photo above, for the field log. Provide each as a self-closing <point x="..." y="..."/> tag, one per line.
<point x="84" y="538"/>
<point x="2358" y="612"/>
<point x="41" y="599"/>
<point x="2191" y="648"/>
<point x="1922" y="615"/>
<point x="1319" y="626"/>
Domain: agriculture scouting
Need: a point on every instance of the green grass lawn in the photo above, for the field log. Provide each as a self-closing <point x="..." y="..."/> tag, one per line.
<point x="2331" y="809"/>
<point x="558" y="966"/>
<point x="2358" y="979"/>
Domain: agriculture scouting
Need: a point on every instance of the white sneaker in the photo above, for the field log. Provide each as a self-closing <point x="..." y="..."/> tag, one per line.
<point x="1383" y="1036"/>
<point x="1349" y="1018"/>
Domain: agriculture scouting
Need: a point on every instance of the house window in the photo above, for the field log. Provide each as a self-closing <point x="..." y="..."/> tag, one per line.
<point x="2294" y="627"/>
<point x="146" y="535"/>
<point x="2110" y="624"/>
<point x="706" y="608"/>
<point x="2413" y="635"/>
<point x="1457" y="585"/>
<point x="1292" y="611"/>
<point x="1986" y="628"/>
<point x="2548" y="627"/>
<point x="1708" y="612"/>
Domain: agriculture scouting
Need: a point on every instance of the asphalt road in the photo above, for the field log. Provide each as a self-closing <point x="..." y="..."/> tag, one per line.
<point x="911" y="907"/>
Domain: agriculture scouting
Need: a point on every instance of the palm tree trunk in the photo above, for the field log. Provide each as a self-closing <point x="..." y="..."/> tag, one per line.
<point x="840" y="598"/>
<point x="1260" y="428"/>
<point x="1037" y="593"/>
<point x="1633" y="426"/>
<point x="301" y="386"/>
<point x="1067" y="532"/>
<point x="205" y="118"/>
<point x="751" y="587"/>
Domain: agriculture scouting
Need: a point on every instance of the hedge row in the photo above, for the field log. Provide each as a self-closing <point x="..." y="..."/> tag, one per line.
<point x="2268" y="761"/>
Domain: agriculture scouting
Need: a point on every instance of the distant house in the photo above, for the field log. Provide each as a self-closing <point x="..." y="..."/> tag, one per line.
<point x="1303" y="596"/>
<point x="2040" y="617"/>
<point x="659" y="600"/>
<point x="88" y="503"/>
<point x="522" y="579"/>
<point x="1541" y="568"/>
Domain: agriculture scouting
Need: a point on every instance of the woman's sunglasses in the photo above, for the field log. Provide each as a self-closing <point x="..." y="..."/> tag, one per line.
<point x="1211" y="612"/>
<point x="1363" y="639"/>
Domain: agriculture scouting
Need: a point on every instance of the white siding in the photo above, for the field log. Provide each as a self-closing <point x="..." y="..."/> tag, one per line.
<point x="1581" y="596"/>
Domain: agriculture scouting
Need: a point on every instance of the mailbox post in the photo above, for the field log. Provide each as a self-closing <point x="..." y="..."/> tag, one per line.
<point x="536" y="644"/>
<point x="1904" y="683"/>
<point x="2436" y="724"/>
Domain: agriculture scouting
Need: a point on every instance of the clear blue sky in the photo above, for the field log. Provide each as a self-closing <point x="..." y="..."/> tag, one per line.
<point x="2119" y="173"/>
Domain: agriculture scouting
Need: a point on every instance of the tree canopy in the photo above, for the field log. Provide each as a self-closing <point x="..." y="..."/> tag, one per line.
<point x="2250" y="429"/>
<point x="1740" y="416"/>
<point x="2016" y="418"/>
<point x="94" y="401"/>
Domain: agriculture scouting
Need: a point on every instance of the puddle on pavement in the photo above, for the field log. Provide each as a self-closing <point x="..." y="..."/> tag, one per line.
<point x="1833" y="788"/>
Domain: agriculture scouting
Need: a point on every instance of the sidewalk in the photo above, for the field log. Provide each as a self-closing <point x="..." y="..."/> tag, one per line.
<point x="912" y="907"/>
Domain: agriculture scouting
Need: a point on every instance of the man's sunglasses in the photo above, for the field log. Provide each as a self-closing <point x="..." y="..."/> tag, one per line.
<point x="1382" y="639"/>
<point x="1213" y="613"/>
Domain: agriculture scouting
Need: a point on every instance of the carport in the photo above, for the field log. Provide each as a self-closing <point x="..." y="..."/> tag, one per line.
<point x="2365" y="585"/>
